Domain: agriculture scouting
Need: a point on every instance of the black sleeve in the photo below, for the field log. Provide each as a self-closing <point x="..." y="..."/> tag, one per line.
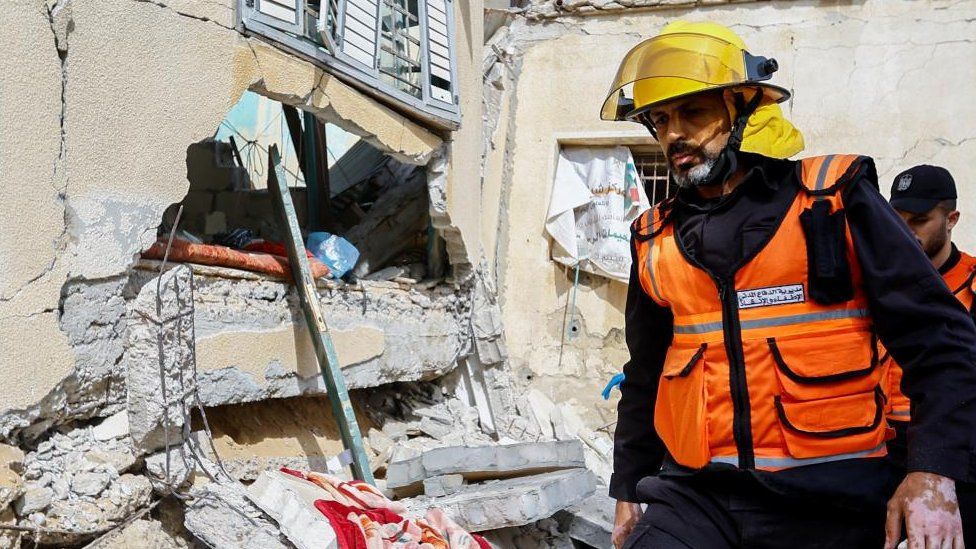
<point x="924" y="328"/>
<point x="637" y="450"/>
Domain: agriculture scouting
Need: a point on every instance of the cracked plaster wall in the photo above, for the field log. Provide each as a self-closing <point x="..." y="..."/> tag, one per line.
<point x="884" y="78"/>
<point x="98" y="102"/>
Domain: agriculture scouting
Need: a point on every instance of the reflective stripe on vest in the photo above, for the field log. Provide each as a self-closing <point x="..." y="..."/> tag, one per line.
<point x="762" y="364"/>
<point x="788" y="462"/>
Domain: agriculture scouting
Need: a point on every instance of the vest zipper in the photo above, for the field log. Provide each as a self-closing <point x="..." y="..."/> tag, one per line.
<point x="741" y="413"/>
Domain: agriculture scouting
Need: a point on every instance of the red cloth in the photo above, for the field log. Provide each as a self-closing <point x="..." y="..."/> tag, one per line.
<point x="348" y="533"/>
<point x="482" y="542"/>
<point x="271" y="247"/>
<point x="222" y="256"/>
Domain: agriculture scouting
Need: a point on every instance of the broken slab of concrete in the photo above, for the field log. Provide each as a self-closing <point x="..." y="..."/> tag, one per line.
<point x="290" y="501"/>
<point x="590" y="521"/>
<point x="220" y="515"/>
<point x="250" y="345"/>
<point x="444" y="485"/>
<point x="511" y="502"/>
<point x="483" y="462"/>
<point x="159" y="360"/>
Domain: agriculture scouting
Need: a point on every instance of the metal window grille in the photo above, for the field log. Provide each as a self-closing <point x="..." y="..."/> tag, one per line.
<point x="399" y="59"/>
<point x="652" y="166"/>
<point x="322" y="22"/>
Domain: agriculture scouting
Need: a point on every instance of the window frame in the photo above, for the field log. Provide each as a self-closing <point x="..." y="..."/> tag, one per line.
<point x="366" y="79"/>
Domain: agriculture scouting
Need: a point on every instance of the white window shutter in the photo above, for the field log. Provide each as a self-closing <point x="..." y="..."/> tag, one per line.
<point x="282" y="14"/>
<point x="439" y="42"/>
<point x="359" y="31"/>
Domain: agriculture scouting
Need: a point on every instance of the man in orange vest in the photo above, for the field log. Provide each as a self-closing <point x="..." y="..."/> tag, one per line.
<point x="753" y="410"/>
<point x="925" y="198"/>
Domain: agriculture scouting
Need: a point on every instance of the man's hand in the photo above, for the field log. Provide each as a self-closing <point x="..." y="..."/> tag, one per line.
<point x="624" y="519"/>
<point x="927" y="504"/>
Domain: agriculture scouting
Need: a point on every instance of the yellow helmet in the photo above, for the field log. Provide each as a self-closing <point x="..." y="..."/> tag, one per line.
<point x="688" y="58"/>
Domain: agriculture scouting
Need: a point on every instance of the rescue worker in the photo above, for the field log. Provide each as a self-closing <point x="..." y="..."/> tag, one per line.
<point x="753" y="409"/>
<point x="925" y="198"/>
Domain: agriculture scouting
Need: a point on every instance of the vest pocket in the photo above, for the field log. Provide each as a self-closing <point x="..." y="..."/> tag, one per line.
<point x="812" y="368"/>
<point x="833" y="426"/>
<point x="679" y="412"/>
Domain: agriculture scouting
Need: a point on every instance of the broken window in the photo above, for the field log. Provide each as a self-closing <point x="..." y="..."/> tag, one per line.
<point x="363" y="214"/>
<point x="400" y="45"/>
<point x="652" y="166"/>
<point x="401" y="49"/>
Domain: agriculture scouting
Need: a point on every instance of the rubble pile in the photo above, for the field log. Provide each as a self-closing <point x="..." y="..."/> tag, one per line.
<point x="81" y="483"/>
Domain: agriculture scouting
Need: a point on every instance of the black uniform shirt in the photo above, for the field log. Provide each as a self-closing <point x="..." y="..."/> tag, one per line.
<point x="918" y="320"/>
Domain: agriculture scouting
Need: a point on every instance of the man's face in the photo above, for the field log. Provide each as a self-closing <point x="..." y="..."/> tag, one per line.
<point x="692" y="131"/>
<point x="932" y="228"/>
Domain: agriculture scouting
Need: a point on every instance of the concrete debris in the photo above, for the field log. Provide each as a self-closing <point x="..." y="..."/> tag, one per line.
<point x="160" y="339"/>
<point x="80" y="485"/>
<point x="563" y="422"/>
<point x="89" y="484"/>
<point x="484" y="462"/>
<point x="173" y="473"/>
<point x="290" y="501"/>
<point x="380" y="441"/>
<point x="443" y="485"/>
<point x="591" y="521"/>
<point x="163" y="530"/>
<point x="34" y="499"/>
<point x="544" y="534"/>
<point x="221" y="515"/>
<point x="11" y="483"/>
<point x="375" y="333"/>
<point x="145" y="534"/>
<point x="82" y="517"/>
<point x="512" y="502"/>
<point x="115" y="426"/>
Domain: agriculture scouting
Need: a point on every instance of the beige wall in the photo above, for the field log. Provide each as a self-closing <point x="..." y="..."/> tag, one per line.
<point x="142" y="81"/>
<point x="886" y="78"/>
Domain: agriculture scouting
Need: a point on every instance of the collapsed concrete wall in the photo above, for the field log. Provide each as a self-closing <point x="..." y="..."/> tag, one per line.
<point x="103" y="116"/>
<point x="866" y="76"/>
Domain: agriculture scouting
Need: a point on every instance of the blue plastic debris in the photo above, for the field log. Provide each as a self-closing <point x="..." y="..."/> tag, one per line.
<point x="614" y="381"/>
<point x="338" y="254"/>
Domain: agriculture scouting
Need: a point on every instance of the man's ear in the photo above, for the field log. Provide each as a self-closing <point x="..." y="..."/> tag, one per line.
<point x="952" y="218"/>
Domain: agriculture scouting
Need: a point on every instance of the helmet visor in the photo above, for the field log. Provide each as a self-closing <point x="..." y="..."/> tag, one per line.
<point x="692" y="57"/>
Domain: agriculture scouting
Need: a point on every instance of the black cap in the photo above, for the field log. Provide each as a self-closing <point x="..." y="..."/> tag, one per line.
<point x="921" y="188"/>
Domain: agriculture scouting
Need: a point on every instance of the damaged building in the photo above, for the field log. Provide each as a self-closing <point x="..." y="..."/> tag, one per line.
<point x="162" y="385"/>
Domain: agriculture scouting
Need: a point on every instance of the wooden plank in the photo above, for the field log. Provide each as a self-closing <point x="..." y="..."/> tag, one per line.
<point x="342" y="410"/>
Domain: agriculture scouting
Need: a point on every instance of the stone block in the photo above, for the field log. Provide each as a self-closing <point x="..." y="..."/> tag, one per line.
<point x="484" y="462"/>
<point x="119" y="461"/>
<point x="443" y="485"/>
<point x="33" y="500"/>
<point x="89" y="484"/>
<point x="220" y="515"/>
<point x="290" y="501"/>
<point x="512" y="502"/>
<point x="590" y="521"/>
<point x="112" y="427"/>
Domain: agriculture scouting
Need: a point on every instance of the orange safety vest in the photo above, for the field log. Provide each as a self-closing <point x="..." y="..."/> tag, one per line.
<point x="758" y="375"/>
<point x="959" y="279"/>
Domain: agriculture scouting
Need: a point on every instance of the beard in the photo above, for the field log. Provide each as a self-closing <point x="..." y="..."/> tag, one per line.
<point x="696" y="176"/>
<point x="935" y="245"/>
